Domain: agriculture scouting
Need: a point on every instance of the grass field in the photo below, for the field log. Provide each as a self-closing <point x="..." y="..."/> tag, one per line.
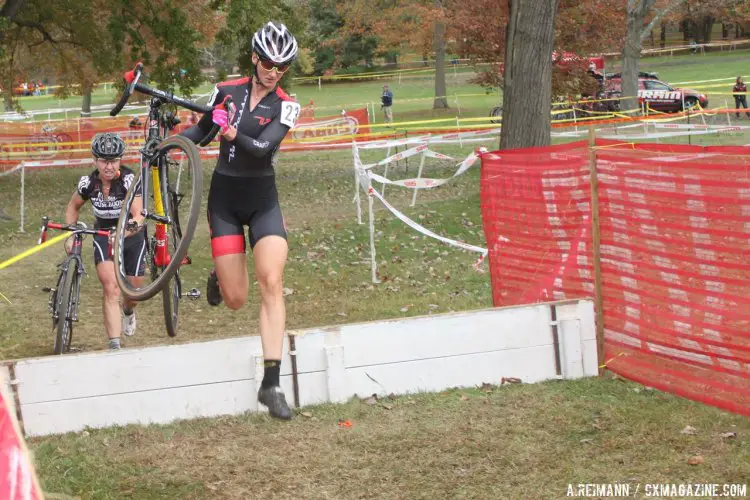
<point x="328" y="275"/>
<point x="509" y="442"/>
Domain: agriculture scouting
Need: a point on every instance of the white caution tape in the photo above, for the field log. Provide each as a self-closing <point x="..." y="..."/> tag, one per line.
<point x="439" y="156"/>
<point x="14" y="169"/>
<point x="398" y="156"/>
<point x="409" y="222"/>
<point x="396" y="142"/>
<point x="422" y="182"/>
<point x="429" y="139"/>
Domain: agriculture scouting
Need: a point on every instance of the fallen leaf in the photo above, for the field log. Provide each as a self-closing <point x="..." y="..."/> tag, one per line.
<point x="689" y="430"/>
<point x="387" y="406"/>
<point x="695" y="460"/>
<point x="306" y="414"/>
<point x="288" y="291"/>
<point x="587" y="440"/>
<point x="464" y="397"/>
<point x="728" y="435"/>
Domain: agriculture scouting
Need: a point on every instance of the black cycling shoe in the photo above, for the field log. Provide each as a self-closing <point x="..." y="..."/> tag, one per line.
<point x="213" y="292"/>
<point x="273" y="398"/>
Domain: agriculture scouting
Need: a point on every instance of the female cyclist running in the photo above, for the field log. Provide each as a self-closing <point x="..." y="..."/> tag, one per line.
<point x="243" y="193"/>
<point x="106" y="187"/>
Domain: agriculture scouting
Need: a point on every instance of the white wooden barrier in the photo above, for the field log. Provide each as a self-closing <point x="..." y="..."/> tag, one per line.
<point x="222" y="377"/>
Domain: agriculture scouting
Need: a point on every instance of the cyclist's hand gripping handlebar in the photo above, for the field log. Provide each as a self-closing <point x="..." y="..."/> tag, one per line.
<point x="231" y="110"/>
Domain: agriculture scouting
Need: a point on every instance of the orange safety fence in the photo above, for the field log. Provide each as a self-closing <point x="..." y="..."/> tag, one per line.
<point x="674" y="232"/>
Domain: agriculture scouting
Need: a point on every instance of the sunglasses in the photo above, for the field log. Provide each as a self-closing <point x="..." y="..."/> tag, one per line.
<point x="270" y="66"/>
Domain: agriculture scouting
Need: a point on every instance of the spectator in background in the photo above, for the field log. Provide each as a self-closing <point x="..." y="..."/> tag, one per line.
<point x="740" y="99"/>
<point x="386" y="104"/>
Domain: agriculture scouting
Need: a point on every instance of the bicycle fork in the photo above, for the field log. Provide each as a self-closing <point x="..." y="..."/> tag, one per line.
<point x="162" y="257"/>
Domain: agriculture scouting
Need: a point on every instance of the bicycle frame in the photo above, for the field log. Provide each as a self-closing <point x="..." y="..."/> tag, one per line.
<point x="160" y="216"/>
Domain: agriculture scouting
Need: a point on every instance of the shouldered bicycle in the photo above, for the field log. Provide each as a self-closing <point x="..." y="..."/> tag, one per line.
<point x="170" y="179"/>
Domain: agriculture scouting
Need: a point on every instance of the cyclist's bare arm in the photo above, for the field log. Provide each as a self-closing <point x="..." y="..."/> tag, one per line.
<point x="74" y="208"/>
<point x="135" y="214"/>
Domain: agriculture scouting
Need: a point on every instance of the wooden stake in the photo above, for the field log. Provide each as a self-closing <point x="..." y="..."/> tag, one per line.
<point x="596" y="250"/>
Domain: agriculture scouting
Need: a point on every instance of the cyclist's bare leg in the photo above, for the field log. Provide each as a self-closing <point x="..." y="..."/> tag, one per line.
<point x="111" y="300"/>
<point x="270" y="254"/>
<point x="231" y="269"/>
<point x="136" y="281"/>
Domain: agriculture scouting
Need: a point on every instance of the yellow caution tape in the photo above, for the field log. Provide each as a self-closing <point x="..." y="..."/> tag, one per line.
<point x="33" y="250"/>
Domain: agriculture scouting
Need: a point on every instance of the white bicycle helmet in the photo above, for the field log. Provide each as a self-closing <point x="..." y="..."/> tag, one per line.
<point x="275" y="43"/>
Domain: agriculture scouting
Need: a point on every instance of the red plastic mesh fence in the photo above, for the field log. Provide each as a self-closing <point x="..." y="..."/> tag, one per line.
<point x="675" y="254"/>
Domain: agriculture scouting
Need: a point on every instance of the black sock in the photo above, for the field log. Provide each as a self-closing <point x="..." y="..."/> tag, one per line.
<point x="271" y="373"/>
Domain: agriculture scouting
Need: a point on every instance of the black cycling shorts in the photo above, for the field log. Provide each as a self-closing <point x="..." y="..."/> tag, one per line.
<point x="235" y="202"/>
<point x="135" y="253"/>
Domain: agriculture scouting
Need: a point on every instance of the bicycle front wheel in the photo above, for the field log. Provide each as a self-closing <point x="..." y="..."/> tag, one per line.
<point x="172" y="292"/>
<point x="175" y="152"/>
<point x="171" y="295"/>
<point x="65" y="306"/>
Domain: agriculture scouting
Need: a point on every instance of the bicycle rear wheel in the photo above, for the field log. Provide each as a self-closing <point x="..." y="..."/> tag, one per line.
<point x="65" y="306"/>
<point x="173" y="151"/>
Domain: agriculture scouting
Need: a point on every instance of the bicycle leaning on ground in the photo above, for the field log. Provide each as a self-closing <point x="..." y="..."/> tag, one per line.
<point x="65" y="297"/>
<point x="168" y="159"/>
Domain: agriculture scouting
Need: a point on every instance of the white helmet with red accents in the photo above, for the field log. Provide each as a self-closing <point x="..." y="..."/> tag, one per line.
<point x="275" y="43"/>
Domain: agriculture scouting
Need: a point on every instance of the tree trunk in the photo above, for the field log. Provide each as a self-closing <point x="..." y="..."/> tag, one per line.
<point x="708" y="28"/>
<point x="663" y="36"/>
<point x="8" y="92"/>
<point x="10" y="8"/>
<point x="527" y="88"/>
<point x="631" y="52"/>
<point x="724" y="30"/>
<point x="685" y="30"/>
<point x="441" y="101"/>
<point x="86" y="104"/>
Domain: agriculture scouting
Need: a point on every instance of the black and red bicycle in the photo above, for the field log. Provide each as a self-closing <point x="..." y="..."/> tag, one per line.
<point x="65" y="297"/>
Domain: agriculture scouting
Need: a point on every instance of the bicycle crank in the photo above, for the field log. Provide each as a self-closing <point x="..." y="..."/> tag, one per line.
<point x="193" y="293"/>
